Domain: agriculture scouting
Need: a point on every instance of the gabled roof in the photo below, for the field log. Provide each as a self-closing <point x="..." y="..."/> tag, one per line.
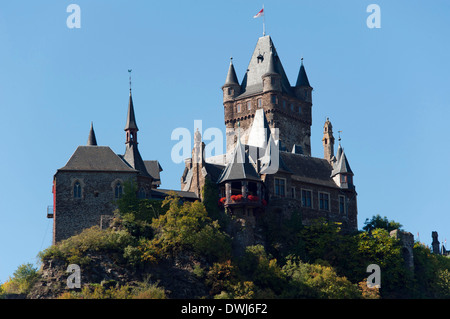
<point x="259" y="65"/>
<point x="96" y="158"/>
<point x="239" y="168"/>
<point x="154" y="169"/>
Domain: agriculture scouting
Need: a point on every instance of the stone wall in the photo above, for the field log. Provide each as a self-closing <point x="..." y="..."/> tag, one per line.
<point x="72" y="215"/>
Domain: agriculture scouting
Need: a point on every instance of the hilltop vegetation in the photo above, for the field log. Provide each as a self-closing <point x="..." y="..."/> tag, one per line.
<point x="171" y="249"/>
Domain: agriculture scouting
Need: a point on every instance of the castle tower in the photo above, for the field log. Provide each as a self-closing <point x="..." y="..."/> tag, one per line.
<point x="132" y="156"/>
<point x="266" y="86"/>
<point x="328" y="141"/>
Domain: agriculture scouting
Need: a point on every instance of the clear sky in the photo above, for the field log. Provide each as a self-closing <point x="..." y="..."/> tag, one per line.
<point x="387" y="89"/>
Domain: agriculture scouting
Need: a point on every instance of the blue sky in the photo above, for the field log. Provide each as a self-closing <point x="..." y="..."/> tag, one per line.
<point x="387" y="89"/>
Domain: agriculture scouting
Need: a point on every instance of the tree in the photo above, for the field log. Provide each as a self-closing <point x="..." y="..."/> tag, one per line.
<point x="380" y="222"/>
<point x="186" y="227"/>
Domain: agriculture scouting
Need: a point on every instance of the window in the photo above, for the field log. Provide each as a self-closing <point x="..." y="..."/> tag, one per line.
<point x="280" y="187"/>
<point x="306" y="198"/>
<point x="342" y="205"/>
<point x="284" y="104"/>
<point x="259" y="103"/>
<point x="249" y="105"/>
<point x="346" y="179"/>
<point x="230" y="91"/>
<point x="293" y="192"/>
<point x="324" y="201"/>
<point x="292" y="107"/>
<point x="274" y="99"/>
<point x="118" y="191"/>
<point x="77" y="190"/>
<point x="239" y="108"/>
<point x="299" y="110"/>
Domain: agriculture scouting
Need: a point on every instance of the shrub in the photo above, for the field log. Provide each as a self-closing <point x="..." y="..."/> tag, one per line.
<point x="73" y="250"/>
<point x="22" y="281"/>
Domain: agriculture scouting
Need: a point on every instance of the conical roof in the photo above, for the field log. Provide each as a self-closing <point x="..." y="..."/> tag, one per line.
<point x="231" y="76"/>
<point x="131" y="120"/>
<point x="239" y="168"/>
<point x="260" y="64"/>
<point x="341" y="166"/>
<point x="302" y="79"/>
<point x="92" y="141"/>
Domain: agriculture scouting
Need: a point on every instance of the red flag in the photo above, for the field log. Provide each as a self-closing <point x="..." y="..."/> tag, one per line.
<point x="260" y="13"/>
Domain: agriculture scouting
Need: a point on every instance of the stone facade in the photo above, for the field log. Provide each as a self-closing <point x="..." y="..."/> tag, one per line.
<point x="271" y="120"/>
<point x="73" y="214"/>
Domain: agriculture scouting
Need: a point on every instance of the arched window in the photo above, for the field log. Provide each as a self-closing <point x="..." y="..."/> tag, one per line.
<point x="77" y="190"/>
<point x="118" y="190"/>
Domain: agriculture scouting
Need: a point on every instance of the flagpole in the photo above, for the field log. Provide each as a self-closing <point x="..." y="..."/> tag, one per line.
<point x="264" y="22"/>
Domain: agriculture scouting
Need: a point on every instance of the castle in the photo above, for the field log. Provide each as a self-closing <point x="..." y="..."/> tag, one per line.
<point x="267" y="168"/>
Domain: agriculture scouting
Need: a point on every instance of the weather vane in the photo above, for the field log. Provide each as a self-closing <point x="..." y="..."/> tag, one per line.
<point x="129" y="72"/>
<point x="339" y="132"/>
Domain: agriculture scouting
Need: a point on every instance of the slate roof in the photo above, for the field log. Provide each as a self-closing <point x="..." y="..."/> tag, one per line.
<point x="309" y="169"/>
<point x="239" y="167"/>
<point x="131" y="119"/>
<point x="231" y="75"/>
<point x="133" y="158"/>
<point x="162" y="193"/>
<point x="154" y="169"/>
<point x="252" y="81"/>
<point x="302" y="79"/>
<point x="92" y="141"/>
<point x="341" y="165"/>
<point x="96" y="158"/>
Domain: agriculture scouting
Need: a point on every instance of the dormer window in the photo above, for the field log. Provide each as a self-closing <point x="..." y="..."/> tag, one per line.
<point x="260" y="58"/>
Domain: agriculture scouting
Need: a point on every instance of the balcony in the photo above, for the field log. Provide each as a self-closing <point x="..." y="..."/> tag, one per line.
<point x="239" y="200"/>
<point x="50" y="211"/>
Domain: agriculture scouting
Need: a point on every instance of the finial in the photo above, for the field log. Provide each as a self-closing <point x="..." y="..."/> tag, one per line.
<point x="302" y="60"/>
<point x="339" y="132"/>
<point x="129" y="72"/>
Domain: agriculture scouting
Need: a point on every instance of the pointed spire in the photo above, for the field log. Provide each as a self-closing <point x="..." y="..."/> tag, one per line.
<point x="92" y="141"/>
<point x="271" y="65"/>
<point x="131" y="120"/>
<point x="302" y="79"/>
<point x="231" y="76"/>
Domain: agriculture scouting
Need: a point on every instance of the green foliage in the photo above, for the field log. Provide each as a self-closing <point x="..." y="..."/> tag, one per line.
<point x="73" y="250"/>
<point x="143" y="290"/>
<point x="210" y="199"/>
<point x="22" y="281"/>
<point x="380" y="222"/>
<point x="431" y="273"/>
<point x="186" y="226"/>
<point x="317" y="281"/>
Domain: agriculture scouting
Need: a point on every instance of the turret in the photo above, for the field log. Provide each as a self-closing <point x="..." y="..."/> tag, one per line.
<point x="342" y="174"/>
<point x="271" y="79"/>
<point x="328" y="141"/>
<point x="231" y="88"/>
<point x="92" y="141"/>
<point x="303" y="89"/>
